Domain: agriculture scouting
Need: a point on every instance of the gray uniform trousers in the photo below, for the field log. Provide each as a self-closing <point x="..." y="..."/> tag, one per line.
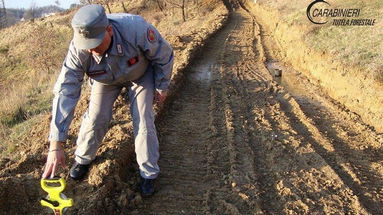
<point x="96" y="120"/>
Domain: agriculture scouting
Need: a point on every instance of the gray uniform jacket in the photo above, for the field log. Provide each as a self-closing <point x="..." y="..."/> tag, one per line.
<point x="136" y="46"/>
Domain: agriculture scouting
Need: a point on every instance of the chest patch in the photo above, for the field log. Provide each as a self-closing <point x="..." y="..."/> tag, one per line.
<point x="95" y="73"/>
<point x="151" y="35"/>
<point x="132" y="61"/>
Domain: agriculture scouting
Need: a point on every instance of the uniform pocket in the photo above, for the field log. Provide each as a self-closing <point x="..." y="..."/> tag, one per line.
<point x="101" y="73"/>
<point x="96" y="73"/>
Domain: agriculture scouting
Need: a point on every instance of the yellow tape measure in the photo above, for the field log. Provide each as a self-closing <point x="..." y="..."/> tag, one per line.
<point x="56" y="200"/>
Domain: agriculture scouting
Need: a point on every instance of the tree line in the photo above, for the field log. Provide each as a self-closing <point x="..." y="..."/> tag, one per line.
<point x="16" y="15"/>
<point x="162" y="5"/>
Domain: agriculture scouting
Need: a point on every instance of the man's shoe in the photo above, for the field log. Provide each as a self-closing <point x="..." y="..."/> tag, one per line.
<point x="78" y="171"/>
<point x="147" y="187"/>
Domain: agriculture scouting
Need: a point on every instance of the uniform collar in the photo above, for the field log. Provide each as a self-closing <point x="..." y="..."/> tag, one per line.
<point x="116" y="48"/>
<point x="97" y="58"/>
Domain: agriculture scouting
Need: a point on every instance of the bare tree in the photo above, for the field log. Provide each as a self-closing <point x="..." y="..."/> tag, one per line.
<point x="106" y="3"/>
<point x="31" y="13"/>
<point x="180" y="4"/>
<point x="86" y="1"/>
<point x="102" y="2"/>
<point x="124" y="3"/>
<point x="3" y="15"/>
<point x="123" y="7"/>
<point x="161" y="5"/>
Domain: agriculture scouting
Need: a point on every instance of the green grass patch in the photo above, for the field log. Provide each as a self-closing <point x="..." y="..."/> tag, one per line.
<point x="14" y="117"/>
<point x="4" y="49"/>
<point x="35" y="102"/>
<point x="15" y="135"/>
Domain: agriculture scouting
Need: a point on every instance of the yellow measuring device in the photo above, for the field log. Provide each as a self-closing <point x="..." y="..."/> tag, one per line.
<point x="55" y="200"/>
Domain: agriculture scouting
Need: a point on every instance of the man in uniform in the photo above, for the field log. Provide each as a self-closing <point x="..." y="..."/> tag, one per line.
<point x="115" y="51"/>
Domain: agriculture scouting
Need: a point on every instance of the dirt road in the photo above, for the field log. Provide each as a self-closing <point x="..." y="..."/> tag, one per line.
<point x="236" y="142"/>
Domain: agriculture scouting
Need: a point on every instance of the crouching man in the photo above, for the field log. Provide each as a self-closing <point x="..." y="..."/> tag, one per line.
<point x="115" y="51"/>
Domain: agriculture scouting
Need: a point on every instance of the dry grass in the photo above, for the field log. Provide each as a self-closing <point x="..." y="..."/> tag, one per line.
<point x="355" y="45"/>
<point x="352" y="45"/>
<point x="31" y="54"/>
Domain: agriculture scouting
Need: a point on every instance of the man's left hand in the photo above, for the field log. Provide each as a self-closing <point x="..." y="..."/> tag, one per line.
<point x="160" y="96"/>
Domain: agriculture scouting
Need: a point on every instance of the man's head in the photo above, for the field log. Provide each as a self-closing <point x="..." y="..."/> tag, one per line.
<point x="91" y="29"/>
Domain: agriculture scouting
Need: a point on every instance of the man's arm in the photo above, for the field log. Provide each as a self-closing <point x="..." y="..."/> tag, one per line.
<point x="66" y="95"/>
<point x="159" y="53"/>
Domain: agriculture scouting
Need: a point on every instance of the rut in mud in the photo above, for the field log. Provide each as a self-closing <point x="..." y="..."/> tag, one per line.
<point x="236" y="142"/>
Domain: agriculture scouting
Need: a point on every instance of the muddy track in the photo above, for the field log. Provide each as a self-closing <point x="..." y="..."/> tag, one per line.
<point x="236" y="142"/>
<point x="197" y="152"/>
<point x="349" y="146"/>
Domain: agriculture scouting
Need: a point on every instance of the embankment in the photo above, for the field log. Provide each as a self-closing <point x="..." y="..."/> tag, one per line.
<point x="355" y="89"/>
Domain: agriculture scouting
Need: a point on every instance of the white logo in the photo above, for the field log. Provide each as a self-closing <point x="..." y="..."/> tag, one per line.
<point x="84" y="32"/>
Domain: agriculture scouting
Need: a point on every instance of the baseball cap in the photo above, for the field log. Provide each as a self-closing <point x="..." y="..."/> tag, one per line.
<point x="89" y="26"/>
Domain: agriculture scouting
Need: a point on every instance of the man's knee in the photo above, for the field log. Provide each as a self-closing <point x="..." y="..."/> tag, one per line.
<point x="146" y="130"/>
<point x="97" y="119"/>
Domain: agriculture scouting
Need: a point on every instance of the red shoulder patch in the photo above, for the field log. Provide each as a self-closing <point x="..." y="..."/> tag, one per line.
<point x="151" y="35"/>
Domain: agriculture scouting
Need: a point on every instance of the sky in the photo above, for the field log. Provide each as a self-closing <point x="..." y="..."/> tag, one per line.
<point x="39" y="3"/>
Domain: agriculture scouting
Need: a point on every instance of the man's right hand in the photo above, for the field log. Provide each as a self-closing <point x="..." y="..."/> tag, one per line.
<point x="56" y="158"/>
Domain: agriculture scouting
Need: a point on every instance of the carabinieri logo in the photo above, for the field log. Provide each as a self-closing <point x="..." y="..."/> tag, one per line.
<point x="320" y="12"/>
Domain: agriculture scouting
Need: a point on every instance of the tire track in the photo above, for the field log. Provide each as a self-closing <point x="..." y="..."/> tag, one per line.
<point x="250" y="180"/>
<point x="347" y="156"/>
<point x="351" y="165"/>
<point x="195" y="157"/>
<point x="235" y="142"/>
<point x="352" y="148"/>
<point x="278" y="182"/>
<point x="183" y="155"/>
